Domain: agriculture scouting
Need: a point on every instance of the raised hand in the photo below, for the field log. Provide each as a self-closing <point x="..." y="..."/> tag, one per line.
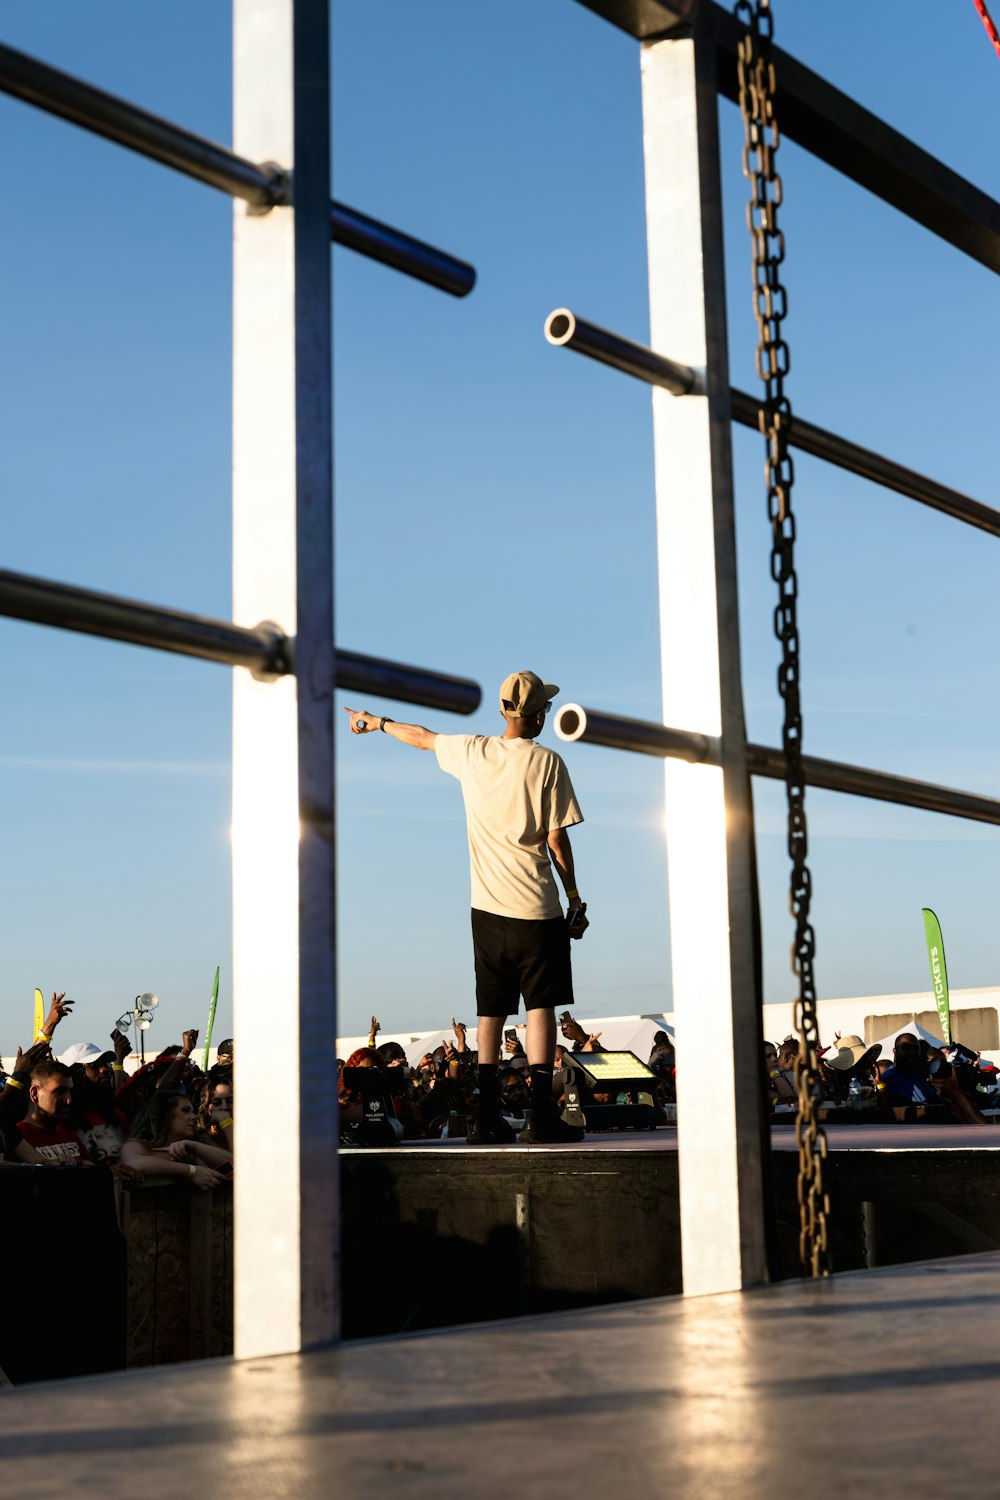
<point x="37" y="1053"/>
<point x="59" y="1008"/>
<point x="188" y="1040"/>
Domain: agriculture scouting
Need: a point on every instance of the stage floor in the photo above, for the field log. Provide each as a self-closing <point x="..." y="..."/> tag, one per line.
<point x="901" y="1137"/>
<point x="880" y="1382"/>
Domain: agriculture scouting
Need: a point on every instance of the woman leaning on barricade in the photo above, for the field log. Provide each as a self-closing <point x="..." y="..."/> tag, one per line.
<point x="163" y="1144"/>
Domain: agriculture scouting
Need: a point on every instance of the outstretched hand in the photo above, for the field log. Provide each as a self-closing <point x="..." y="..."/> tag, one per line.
<point x="363" y="721"/>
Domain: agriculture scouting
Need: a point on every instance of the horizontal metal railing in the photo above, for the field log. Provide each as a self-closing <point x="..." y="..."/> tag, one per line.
<point x="265" y="650"/>
<point x="572" y="722"/>
<point x="264" y="186"/>
<point x="833" y="127"/>
<point x="565" y="330"/>
<point x="822" y="443"/>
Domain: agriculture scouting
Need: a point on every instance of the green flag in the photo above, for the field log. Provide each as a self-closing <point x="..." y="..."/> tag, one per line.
<point x="211" y="1021"/>
<point x="939" y="973"/>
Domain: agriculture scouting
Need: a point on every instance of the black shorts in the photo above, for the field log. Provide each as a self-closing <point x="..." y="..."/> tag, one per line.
<point x="516" y="957"/>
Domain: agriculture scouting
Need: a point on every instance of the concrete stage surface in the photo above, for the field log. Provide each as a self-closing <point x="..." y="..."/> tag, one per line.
<point x="902" y="1137"/>
<point x="878" y="1383"/>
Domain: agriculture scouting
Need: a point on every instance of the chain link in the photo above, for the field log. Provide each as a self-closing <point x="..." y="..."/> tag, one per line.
<point x="757" y="106"/>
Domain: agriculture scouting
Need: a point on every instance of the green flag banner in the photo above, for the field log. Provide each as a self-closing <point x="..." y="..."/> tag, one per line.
<point x="939" y="973"/>
<point x="211" y="1021"/>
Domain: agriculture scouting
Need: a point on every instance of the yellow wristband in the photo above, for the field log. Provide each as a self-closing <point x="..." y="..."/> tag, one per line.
<point x="572" y="895"/>
<point x="43" y="1036"/>
<point x="13" y="1083"/>
<point x="225" y="1124"/>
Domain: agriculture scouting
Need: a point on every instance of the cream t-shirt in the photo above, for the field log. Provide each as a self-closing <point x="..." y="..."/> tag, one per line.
<point x="516" y="792"/>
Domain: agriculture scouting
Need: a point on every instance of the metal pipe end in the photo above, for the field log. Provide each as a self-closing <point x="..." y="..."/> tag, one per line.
<point x="560" y="326"/>
<point x="570" y="720"/>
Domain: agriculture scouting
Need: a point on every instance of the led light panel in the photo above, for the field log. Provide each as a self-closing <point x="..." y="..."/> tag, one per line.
<point x="608" y="1066"/>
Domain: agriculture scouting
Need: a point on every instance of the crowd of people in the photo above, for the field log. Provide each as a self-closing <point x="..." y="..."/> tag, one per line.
<point x="82" y="1108"/>
<point x="921" y="1082"/>
<point x="171" y="1119"/>
<point x="439" y="1096"/>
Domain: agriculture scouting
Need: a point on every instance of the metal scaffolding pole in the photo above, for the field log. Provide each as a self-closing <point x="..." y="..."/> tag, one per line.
<point x="264" y="186"/>
<point x="709" y="813"/>
<point x="264" y="649"/>
<point x="567" y="331"/>
<point x="286" y="1242"/>
<point x="642" y="737"/>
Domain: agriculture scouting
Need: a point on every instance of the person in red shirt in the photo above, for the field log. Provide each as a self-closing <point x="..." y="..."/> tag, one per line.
<point x="46" y="1126"/>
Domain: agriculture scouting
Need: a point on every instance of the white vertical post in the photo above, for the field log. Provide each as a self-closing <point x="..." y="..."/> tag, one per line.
<point x="283" y="899"/>
<point x="709" y="828"/>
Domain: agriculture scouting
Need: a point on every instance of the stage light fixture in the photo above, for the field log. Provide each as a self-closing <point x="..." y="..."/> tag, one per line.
<point x="627" y="1087"/>
<point x="614" y="1067"/>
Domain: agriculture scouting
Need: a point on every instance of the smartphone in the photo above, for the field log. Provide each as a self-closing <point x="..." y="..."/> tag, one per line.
<point x="576" y="917"/>
<point x="565" y="1018"/>
<point x="510" y="1035"/>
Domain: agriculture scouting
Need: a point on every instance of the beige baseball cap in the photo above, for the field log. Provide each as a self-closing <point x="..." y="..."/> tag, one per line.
<point x="524" y="693"/>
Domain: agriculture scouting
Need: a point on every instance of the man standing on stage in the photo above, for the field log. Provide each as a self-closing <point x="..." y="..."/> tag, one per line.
<point x="519" y="802"/>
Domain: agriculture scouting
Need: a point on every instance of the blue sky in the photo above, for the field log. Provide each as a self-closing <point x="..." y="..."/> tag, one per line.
<point x="494" y="499"/>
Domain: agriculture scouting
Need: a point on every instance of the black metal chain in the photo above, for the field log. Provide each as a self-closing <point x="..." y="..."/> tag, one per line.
<point x="757" y="105"/>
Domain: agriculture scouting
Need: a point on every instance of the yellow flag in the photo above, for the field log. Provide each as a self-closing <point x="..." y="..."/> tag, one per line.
<point x="39" y="1012"/>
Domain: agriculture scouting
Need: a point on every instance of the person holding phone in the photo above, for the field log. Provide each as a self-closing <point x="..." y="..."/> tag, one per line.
<point x="519" y="804"/>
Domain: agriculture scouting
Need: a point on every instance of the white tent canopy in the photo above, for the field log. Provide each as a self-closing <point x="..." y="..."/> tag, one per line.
<point x="912" y="1029"/>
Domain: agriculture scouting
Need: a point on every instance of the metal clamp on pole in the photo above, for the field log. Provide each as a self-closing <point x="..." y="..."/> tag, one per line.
<point x="564" y="329"/>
